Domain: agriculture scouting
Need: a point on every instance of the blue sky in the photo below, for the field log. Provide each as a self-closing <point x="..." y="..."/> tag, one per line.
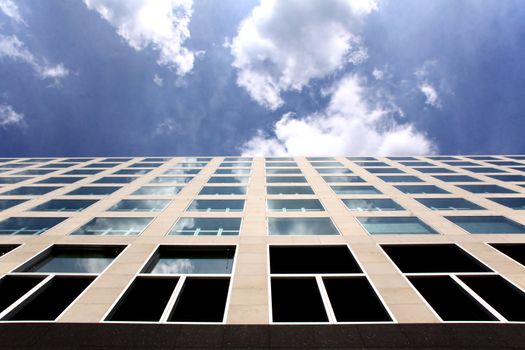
<point x="314" y="77"/>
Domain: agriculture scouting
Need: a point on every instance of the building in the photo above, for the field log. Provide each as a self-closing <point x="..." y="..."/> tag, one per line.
<point x="240" y="251"/>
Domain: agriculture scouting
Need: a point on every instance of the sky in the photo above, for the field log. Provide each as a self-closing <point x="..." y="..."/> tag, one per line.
<point x="250" y="77"/>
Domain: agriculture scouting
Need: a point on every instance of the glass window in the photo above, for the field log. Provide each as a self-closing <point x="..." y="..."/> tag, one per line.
<point x="115" y="180"/>
<point x="462" y="163"/>
<point x="434" y="170"/>
<point x="483" y="170"/>
<point x="101" y="165"/>
<point x="207" y="227"/>
<point x="114" y="226"/>
<point x="487" y="224"/>
<point x="13" y="180"/>
<point x="235" y="165"/>
<point x="15" y="165"/>
<point x="289" y="190"/>
<point x="38" y="160"/>
<point x="326" y="164"/>
<point x="285" y="179"/>
<point x="61" y="180"/>
<point x="442" y="158"/>
<point x="27" y="226"/>
<point x="417" y="164"/>
<point x="93" y="191"/>
<point x="238" y="159"/>
<point x="294" y="205"/>
<point x="320" y="158"/>
<point x="483" y="158"/>
<point x="83" y="171"/>
<point x="191" y="165"/>
<point x="485" y="189"/>
<point x="146" y="165"/>
<point x="372" y="164"/>
<point x="182" y="171"/>
<point x="301" y="226"/>
<point x="30" y="191"/>
<point x="191" y="260"/>
<point x="6" y="248"/>
<point x="508" y="178"/>
<point x="449" y="204"/>
<point x="229" y="179"/>
<point x="355" y="190"/>
<point x="281" y="165"/>
<point x="384" y="170"/>
<point x="279" y="171"/>
<point x="140" y="205"/>
<point x="77" y="160"/>
<point x="222" y="190"/>
<point x="361" y="158"/>
<point x="519" y="168"/>
<point x="35" y="172"/>
<point x="400" y="178"/>
<point x="513" y="203"/>
<point x="421" y="189"/>
<point x="64" y="205"/>
<point x="157" y="159"/>
<point x="333" y="170"/>
<point x="517" y="157"/>
<point x="514" y="251"/>
<point x="402" y="158"/>
<point x="456" y="178"/>
<point x="216" y="205"/>
<point x="157" y="191"/>
<point x="279" y="159"/>
<point x="131" y="171"/>
<point x="232" y="171"/>
<point x="372" y="204"/>
<point x="171" y="179"/>
<point x="73" y="259"/>
<point x="395" y="225"/>
<point x="110" y="160"/>
<point x="347" y="179"/>
<point x="8" y="203"/>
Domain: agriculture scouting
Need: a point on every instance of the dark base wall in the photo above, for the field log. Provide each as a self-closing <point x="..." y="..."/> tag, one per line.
<point x="126" y="336"/>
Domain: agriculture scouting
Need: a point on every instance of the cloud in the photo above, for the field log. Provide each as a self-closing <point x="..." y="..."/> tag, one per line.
<point x="9" y="117"/>
<point x="157" y="80"/>
<point x="10" y="9"/>
<point x="282" y="45"/>
<point x="162" y="25"/>
<point x="11" y="47"/>
<point x="166" y="127"/>
<point x="378" y="74"/>
<point x="348" y="126"/>
<point x="432" y="98"/>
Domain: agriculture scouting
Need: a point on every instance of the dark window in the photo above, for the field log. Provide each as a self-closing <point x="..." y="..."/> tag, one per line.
<point x="434" y="170"/>
<point x="487" y="224"/>
<point x="64" y="205"/>
<point x="157" y="191"/>
<point x="30" y="191"/>
<point x="294" y="205"/>
<point x="400" y="178"/>
<point x="486" y="189"/>
<point x="115" y="180"/>
<point x="483" y="170"/>
<point x="35" y="172"/>
<point x="13" y="288"/>
<point x="421" y="189"/>
<point x="515" y="251"/>
<point x="114" y="226"/>
<point x="289" y="190"/>
<point x="93" y="191"/>
<point x="372" y="204"/>
<point x="8" y="203"/>
<point x="27" y="226"/>
<point x="6" y="248"/>
<point x="412" y="164"/>
<point x="448" y="204"/>
<point x="83" y="171"/>
<point x="355" y="190"/>
<point x="207" y="227"/>
<point x="384" y="170"/>
<point x="150" y="205"/>
<point x="61" y="180"/>
<point x="508" y="178"/>
<point x="297" y="300"/>
<point x="12" y="180"/>
<point x="223" y="190"/>
<point x="456" y="178"/>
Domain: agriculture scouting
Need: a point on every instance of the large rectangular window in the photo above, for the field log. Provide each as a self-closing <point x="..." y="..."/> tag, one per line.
<point x="449" y="204"/>
<point x="131" y="172"/>
<point x="157" y="191"/>
<point x="287" y="205"/>
<point x="487" y="224"/>
<point x="434" y="170"/>
<point x="285" y="179"/>
<point x="395" y="225"/>
<point x="284" y="190"/>
<point x="421" y="189"/>
<point x="235" y="165"/>
<point x="326" y="164"/>
<point x="8" y="203"/>
<point x="30" y="191"/>
<point x="301" y="226"/>
<point x="456" y="178"/>
<point x="12" y="180"/>
<point x="171" y="179"/>
<point x="341" y="179"/>
<point x="27" y="225"/>
<point x="486" y="189"/>
<point x="64" y="205"/>
<point x="229" y="179"/>
<point x="281" y="171"/>
<point x="485" y="170"/>
<point x="508" y="178"/>
<point x="182" y="171"/>
<point x="212" y="205"/>
<point x="207" y="227"/>
<point x="61" y="180"/>
<point x="372" y="204"/>
<point x="334" y="171"/>
<point x="281" y="165"/>
<point x="115" y="180"/>
<point x="150" y="205"/>
<point x="228" y="171"/>
<point x="400" y="178"/>
<point x="355" y="190"/>
<point x="93" y="191"/>
<point x="513" y="203"/>
<point x="106" y="226"/>
<point x="384" y="170"/>
<point x="222" y="190"/>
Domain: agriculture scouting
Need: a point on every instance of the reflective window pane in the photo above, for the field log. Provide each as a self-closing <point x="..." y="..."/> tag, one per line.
<point x="114" y="226"/>
<point x="30" y="191"/>
<point x="400" y="178"/>
<point x="151" y="205"/>
<point x="115" y="180"/>
<point x="216" y="205"/>
<point x="285" y="179"/>
<point x="301" y="226"/>
<point x="421" y="189"/>
<point x="513" y="203"/>
<point x="93" y="191"/>
<point x="8" y="203"/>
<point x="157" y="191"/>
<point x="207" y="227"/>
<point x="64" y="205"/>
<point x="449" y="204"/>
<point x="346" y="179"/>
<point x="456" y="178"/>
<point x="229" y="179"/>
<point x="355" y="190"/>
<point x="289" y="190"/>
<point x="294" y="205"/>
<point x="486" y="189"/>
<point x="372" y="204"/>
<point x="61" y="180"/>
<point x="27" y="226"/>
<point x="223" y="190"/>
<point x="395" y="225"/>
<point x="487" y="224"/>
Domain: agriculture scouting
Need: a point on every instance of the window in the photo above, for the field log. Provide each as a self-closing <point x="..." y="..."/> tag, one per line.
<point x="484" y="170"/>
<point x="346" y="178"/>
<point x="281" y="165"/>
<point x="83" y="171"/>
<point x="232" y="171"/>
<point x="27" y="225"/>
<point x="101" y="165"/>
<point x="17" y="165"/>
<point x="278" y="159"/>
<point x="194" y="286"/>
<point x="207" y="227"/>
<point x="321" y="159"/>
<point x="375" y="204"/>
<point x="485" y="189"/>
<point x="235" y="165"/>
<point x="229" y="179"/>
<point x="6" y="248"/>
<point x="171" y="179"/>
<point x="279" y="171"/>
<point x="434" y="170"/>
<point x="30" y="191"/>
<point x="326" y="164"/>
<point x="487" y="224"/>
<point x="61" y="180"/>
<point x="355" y="190"/>
<point x="294" y="205"/>
<point x="401" y="158"/>
<point x="301" y="226"/>
<point x="458" y="288"/>
<point x="157" y="159"/>
<point x="13" y="180"/>
<point x="182" y="171"/>
<point x="8" y="203"/>
<point x="110" y="160"/>
<point x="115" y="180"/>
<point x="152" y="205"/>
<point x="223" y="190"/>
<point x="372" y="164"/>
<point x="72" y="259"/>
<point x="289" y="190"/>
<point x="399" y="225"/>
<point x="400" y="178"/>
<point x="313" y="284"/>
<point x="114" y="226"/>
<point x="38" y="160"/>
<point x="157" y="191"/>
<point x="508" y="178"/>
<point x="513" y="203"/>
<point x="519" y="168"/>
<point x="333" y="170"/>
<point x="191" y="165"/>
<point x="35" y="172"/>
<point x="505" y="163"/>
<point x="216" y="205"/>
<point x="146" y="165"/>
<point x="384" y="170"/>
<point x="75" y="160"/>
<point x="517" y="157"/>
<point x="462" y="163"/>
<point x="131" y="171"/>
<point x="449" y="204"/>
<point x="421" y="189"/>
<point x="361" y="158"/>
<point x="456" y="178"/>
<point x="442" y="158"/>
<point x="238" y="159"/>
<point x="93" y="191"/>
<point x="514" y="251"/>
<point x="412" y="164"/>
<point x="64" y="205"/>
<point x="285" y="179"/>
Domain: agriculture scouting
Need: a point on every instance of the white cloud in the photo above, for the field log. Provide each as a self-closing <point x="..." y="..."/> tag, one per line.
<point x="378" y="74"/>
<point x="11" y="47"/>
<point x="282" y="45"/>
<point x="431" y="95"/>
<point x="9" y="117"/>
<point x="348" y="126"/>
<point x="10" y="9"/>
<point x="166" y="127"/>
<point x="162" y="25"/>
<point x="158" y="80"/>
